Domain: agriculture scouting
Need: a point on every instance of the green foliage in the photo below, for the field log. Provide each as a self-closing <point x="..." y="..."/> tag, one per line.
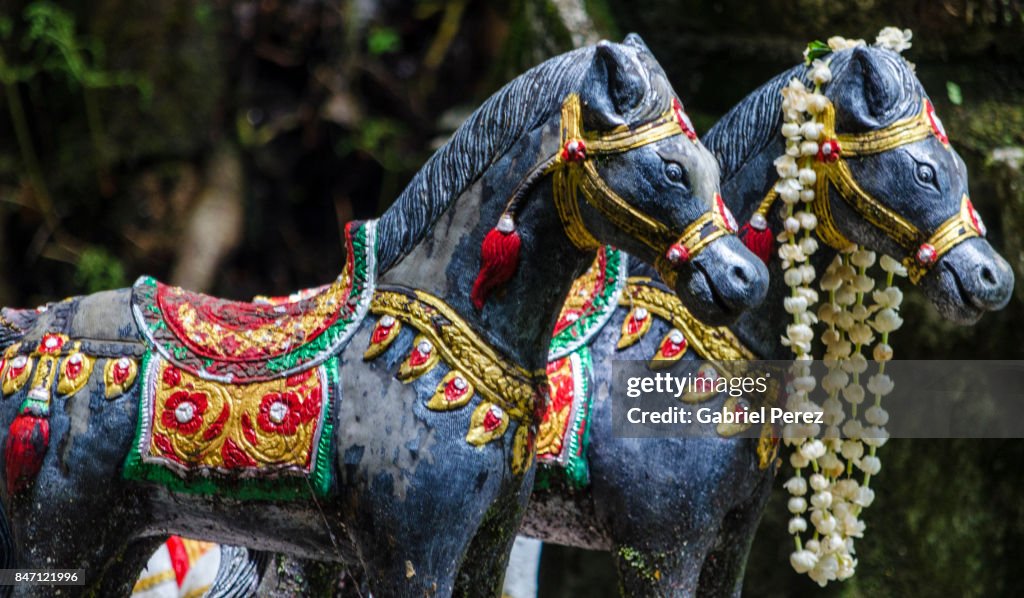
<point x="815" y="50"/>
<point x="97" y="270"/>
<point x="953" y="92"/>
<point x="58" y="50"/>
<point x="378" y="137"/>
<point x="383" y="40"/>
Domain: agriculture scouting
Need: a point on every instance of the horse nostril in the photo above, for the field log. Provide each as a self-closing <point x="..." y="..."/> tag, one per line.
<point x="988" y="276"/>
<point x="742" y="275"/>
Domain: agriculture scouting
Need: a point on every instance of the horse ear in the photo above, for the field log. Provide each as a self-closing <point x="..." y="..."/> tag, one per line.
<point x="873" y="93"/>
<point x="614" y="88"/>
<point x="634" y="40"/>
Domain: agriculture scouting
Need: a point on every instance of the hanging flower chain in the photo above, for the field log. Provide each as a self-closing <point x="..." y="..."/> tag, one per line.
<point x="837" y="497"/>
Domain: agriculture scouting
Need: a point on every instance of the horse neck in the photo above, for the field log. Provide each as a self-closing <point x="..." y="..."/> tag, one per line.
<point x="517" y="319"/>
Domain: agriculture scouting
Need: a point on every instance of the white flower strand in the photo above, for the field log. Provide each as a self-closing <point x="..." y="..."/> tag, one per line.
<point x="796" y="188"/>
<point x="836" y="499"/>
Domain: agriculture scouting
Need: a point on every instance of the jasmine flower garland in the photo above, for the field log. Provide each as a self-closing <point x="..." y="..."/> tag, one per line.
<point x="832" y="492"/>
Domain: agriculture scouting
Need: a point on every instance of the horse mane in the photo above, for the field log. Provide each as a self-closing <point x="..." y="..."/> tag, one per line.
<point x="751" y="125"/>
<point x="522" y="105"/>
<point x="756" y="121"/>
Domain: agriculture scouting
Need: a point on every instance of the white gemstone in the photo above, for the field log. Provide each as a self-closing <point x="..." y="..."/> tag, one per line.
<point x="674" y="255"/>
<point x="75" y="359"/>
<point x="758" y="222"/>
<point x="387" y="321"/>
<point x="278" y="411"/>
<point x="124" y="363"/>
<point x="826" y="148"/>
<point x="496" y="411"/>
<point x="184" y="412"/>
<point x="425" y="347"/>
<point x="675" y="337"/>
<point x="39" y="393"/>
<point x="51" y="343"/>
<point x="572" y="316"/>
<point x="459" y="382"/>
<point x="19" y="362"/>
<point x="640" y="313"/>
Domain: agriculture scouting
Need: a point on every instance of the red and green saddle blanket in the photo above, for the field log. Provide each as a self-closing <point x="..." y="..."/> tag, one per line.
<point x="238" y="397"/>
<point x="563" y="434"/>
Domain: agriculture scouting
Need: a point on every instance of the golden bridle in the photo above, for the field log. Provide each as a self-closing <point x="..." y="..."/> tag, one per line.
<point x="575" y="174"/>
<point x="922" y="250"/>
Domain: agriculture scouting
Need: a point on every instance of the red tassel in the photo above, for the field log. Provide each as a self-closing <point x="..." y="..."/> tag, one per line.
<point x="760" y="242"/>
<point x="27" y="441"/>
<point x="499" y="257"/>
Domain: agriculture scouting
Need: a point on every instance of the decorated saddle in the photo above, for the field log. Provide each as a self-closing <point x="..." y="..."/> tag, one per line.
<point x="237" y="397"/>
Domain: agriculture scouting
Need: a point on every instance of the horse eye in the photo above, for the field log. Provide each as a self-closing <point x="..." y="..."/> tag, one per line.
<point x="926" y="174"/>
<point x="675" y="172"/>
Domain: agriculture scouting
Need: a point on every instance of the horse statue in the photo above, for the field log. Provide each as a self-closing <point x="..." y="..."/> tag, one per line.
<point x="679" y="514"/>
<point x="302" y="425"/>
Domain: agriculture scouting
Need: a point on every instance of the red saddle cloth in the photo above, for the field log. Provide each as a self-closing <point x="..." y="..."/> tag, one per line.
<point x="236" y="341"/>
<point x="237" y="331"/>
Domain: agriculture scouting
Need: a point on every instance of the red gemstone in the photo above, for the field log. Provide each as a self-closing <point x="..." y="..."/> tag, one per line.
<point x="575" y="150"/>
<point x="421" y="353"/>
<point x="491" y="421"/>
<point x="829" y="151"/>
<point x="741" y="408"/>
<point x="926" y="254"/>
<point x="50" y="343"/>
<point x="677" y="253"/>
<point x="636" y="320"/>
<point x="381" y="331"/>
<point x="73" y="369"/>
<point x="672" y="348"/>
<point x="121" y="372"/>
<point x="452" y="392"/>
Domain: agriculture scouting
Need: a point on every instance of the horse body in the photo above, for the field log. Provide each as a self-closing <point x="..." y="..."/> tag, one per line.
<point x="400" y="470"/>
<point x="679" y="514"/>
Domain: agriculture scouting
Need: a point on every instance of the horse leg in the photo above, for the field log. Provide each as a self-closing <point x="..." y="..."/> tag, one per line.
<point x="722" y="573"/>
<point x="483" y="570"/>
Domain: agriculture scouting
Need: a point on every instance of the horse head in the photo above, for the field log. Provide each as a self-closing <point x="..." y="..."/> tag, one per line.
<point x="902" y="188"/>
<point x="651" y="187"/>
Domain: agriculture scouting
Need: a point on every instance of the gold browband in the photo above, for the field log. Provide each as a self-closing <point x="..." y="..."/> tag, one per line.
<point x="573" y="172"/>
<point x="922" y="250"/>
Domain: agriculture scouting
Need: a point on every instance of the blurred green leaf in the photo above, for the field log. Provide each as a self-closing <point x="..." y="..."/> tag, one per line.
<point x="956" y="96"/>
<point x="383" y="40"/>
<point x="98" y="270"/>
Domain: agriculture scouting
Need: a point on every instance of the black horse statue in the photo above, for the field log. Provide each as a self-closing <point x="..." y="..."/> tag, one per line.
<point x="405" y="441"/>
<point x="679" y="515"/>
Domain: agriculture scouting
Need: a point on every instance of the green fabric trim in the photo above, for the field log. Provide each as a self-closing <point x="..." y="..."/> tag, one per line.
<point x="576" y="471"/>
<point x="577" y="468"/>
<point x="579" y="333"/>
